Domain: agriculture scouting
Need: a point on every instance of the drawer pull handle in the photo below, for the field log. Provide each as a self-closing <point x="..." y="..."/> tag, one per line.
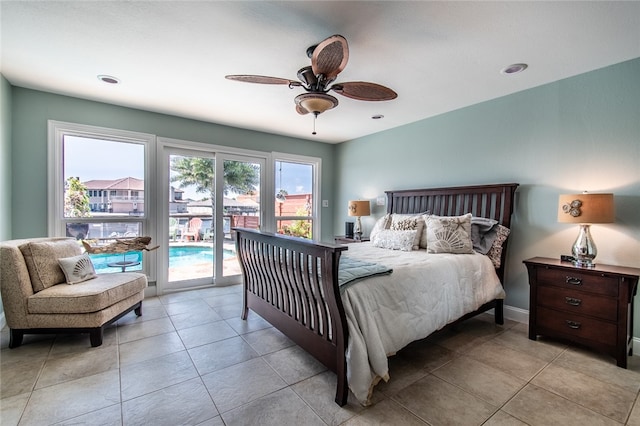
<point x="572" y="301"/>
<point x="574" y="280"/>
<point x="573" y="324"/>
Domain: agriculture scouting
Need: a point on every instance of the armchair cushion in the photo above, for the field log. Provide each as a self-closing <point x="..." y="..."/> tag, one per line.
<point x="42" y="261"/>
<point x="89" y="296"/>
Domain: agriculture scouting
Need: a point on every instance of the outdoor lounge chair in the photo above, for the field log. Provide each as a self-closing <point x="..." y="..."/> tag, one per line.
<point x="193" y="230"/>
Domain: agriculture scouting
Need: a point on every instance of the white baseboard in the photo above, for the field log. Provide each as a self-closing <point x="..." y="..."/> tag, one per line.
<point x="522" y="315"/>
<point x="516" y="314"/>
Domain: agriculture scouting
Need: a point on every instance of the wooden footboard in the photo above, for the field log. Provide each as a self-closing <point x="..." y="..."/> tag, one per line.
<point x="293" y="284"/>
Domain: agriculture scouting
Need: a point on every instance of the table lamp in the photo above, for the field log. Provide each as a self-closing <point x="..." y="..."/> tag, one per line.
<point x="585" y="209"/>
<point x="359" y="209"/>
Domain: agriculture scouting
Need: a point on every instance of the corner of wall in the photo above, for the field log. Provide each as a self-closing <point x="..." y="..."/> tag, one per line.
<point x="5" y="159"/>
<point x="5" y="169"/>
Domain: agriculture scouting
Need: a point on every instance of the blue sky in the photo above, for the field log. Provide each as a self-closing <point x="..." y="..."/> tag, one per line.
<point x="90" y="159"/>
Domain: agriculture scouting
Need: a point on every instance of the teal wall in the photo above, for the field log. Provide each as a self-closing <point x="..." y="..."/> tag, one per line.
<point x="5" y="167"/>
<point x="32" y="109"/>
<point x="5" y="160"/>
<point x="581" y="133"/>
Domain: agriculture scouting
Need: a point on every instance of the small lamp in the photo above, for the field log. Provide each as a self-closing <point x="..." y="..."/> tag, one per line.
<point x="359" y="208"/>
<point x="585" y="209"/>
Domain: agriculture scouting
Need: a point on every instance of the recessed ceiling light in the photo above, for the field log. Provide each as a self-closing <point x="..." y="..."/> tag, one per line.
<point x="513" y="69"/>
<point x="108" y="79"/>
<point x="377" y="116"/>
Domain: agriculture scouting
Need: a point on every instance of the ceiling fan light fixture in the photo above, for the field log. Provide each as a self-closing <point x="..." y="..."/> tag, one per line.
<point x="316" y="103"/>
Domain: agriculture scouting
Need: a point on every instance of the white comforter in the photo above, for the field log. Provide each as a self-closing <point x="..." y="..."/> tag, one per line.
<point x="424" y="293"/>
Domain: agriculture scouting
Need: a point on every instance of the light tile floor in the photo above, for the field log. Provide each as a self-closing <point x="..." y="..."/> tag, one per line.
<point x="191" y="360"/>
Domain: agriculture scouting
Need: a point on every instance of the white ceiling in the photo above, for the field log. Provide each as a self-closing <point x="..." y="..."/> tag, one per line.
<point x="172" y="56"/>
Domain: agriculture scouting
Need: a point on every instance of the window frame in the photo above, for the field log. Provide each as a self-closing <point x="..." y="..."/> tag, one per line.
<point x="57" y="130"/>
<point x="316" y="164"/>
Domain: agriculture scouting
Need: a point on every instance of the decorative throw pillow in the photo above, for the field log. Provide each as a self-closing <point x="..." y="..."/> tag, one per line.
<point x="42" y="261"/>
<point x="395" y="240"/>
<point x="495" y="252"/>
<point x="381" y="224"/>
<point x="409" y="224"/>
<point x="483" y="233"/>
<point x="77" y="268"/>
<point x="449" y="234"/>
<point x="397" y="217"/>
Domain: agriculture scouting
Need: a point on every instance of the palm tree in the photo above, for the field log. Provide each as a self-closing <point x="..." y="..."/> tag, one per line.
<point x="239" y="177"/>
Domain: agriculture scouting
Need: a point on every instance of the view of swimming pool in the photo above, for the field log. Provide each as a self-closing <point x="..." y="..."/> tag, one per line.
<point x="179" y="256"/>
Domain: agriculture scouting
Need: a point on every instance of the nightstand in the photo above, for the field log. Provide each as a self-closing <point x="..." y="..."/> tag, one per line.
<point x="341" y="239"/>
<point x="589" y="306"/>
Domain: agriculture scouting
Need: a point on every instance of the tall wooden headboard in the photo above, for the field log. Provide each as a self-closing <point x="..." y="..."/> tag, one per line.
<point x="491" y="201"/>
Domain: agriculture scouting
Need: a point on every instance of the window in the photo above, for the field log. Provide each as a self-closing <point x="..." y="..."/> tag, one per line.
<point x="296" y="196"/>
<point x="99" y="179"/>
<point x="106" y="184"/>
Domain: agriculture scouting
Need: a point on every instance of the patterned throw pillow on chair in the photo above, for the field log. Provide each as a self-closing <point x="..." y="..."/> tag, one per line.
<point x="77" y="268"/>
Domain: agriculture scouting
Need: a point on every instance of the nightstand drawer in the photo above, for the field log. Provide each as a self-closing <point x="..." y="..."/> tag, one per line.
<point x="575" y="279"/>
<point x="573" y="325"/>
<point x="583" y="303"/>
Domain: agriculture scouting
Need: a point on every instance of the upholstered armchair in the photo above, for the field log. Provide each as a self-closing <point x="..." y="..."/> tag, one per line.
<point x="37" y="297"/>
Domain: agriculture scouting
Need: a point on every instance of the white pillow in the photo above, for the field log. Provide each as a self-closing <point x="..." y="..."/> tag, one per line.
<point x="382" y="223"/>
<point x="396" y="217"/>
<point x="449" y="234"/>
<point x="395" y="240"/>
<point x="77" y="268"/>
<point x="411" y="223"/>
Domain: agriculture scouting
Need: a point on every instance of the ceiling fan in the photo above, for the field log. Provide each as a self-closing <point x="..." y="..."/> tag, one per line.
<point x="328" y="59"/>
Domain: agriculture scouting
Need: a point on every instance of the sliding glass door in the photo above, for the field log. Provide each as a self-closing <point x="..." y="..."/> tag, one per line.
<point x="208" y="194"/>
<point x="190" y="218"/>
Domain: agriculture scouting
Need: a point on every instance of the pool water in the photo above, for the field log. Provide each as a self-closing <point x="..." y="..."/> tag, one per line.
<point x="179" y="256"/>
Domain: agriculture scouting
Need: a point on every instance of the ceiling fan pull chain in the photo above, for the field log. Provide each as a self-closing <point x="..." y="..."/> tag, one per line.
<point x="315" y="115"/>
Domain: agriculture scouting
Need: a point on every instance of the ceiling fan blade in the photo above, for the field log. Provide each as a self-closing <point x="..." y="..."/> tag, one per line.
<point x="301" y="110"/>
<point x="330" y="57"/>
<point x="261" y="79"/>
<point x="364" y="91"/>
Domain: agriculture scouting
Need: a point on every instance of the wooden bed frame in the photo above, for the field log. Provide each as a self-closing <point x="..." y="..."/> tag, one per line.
<point x="293" y="283"/>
